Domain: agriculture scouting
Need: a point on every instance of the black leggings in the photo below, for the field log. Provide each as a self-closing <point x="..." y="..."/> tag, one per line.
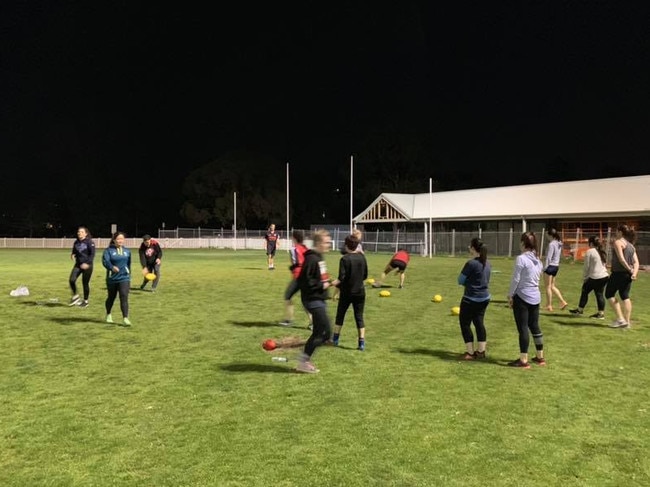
<point x="321" y="330"/>
<point x="472" y="312"/>
<point x="357" y="302"/>
<point x="85" y="280"/>
<point x="123" y="289"/>
<point x="598" y="287"/>
<point x="527" y="318"/>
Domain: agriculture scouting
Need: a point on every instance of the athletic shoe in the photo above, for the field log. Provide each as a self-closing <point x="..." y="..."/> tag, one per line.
<point x="83" y="304"/>
<point x="479" y="355"/>
<point x="539" y="361"/>
<point x="310" y="326"/>
<point x="519" y="363"/>
<point x="575" y="311"/>
<point x="286" y="323"/>
<point x="469" y="356"/>
<point x="400" y="286"/>
<point x="376" y="284"/>
<point x="618" y="324"/>
<point x="361" y="347"/>
<point x="598" y="316"/>
<point x="74" y="300"/>
<point x="307" y="367"/>
<point x="142" y="287"/>
<point x="109" y="318"/>
<point x="127" y="322"/>
<point x="335" y="343"/>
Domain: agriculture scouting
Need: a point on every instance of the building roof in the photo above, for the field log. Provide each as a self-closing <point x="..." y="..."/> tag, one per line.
<point x="592" y="198"/>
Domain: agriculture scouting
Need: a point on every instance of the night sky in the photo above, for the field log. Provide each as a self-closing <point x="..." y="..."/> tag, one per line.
<point x="124" y="99"/>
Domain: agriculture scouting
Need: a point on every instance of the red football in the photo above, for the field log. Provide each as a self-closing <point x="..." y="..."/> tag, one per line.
<point x="269" y="344"/>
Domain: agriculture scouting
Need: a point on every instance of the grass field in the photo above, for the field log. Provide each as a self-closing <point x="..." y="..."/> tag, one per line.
<point x="187" y="396"/>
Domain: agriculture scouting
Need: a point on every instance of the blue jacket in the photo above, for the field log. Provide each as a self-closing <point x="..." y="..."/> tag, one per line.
<point x="120" y="258"/>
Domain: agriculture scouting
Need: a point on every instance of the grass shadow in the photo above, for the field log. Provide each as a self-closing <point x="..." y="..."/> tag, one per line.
<point x="448" y="356"/>
<point x="277" y="369"/>
<point x="74" y="320"/>
<point x="255" y="324"/>
<point x="577" y="322"/>
<point x="44" y="303"/>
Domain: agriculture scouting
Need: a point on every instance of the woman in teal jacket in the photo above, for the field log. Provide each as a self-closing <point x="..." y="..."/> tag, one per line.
<point x="117" y="261"/>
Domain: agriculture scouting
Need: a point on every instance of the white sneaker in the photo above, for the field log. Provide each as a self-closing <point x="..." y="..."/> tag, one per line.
<point x="74" y="300"/>
<point x="19" y="291"/>
<point x="307" y="367"/>
<point x="619" y="324"/>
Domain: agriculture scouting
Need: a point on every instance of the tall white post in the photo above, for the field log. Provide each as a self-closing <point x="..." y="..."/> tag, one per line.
<point x="288" y="246"/>
<point x="430" y="218"/>
<point x="234" y="225"/>
<point x="351" y="193"/>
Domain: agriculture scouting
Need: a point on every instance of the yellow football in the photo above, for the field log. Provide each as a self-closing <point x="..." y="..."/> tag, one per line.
<point x="437" y="298"/>
<point x="455" y="310"/>
<point x="384" y="293"/>
<point x="150" y="276"/>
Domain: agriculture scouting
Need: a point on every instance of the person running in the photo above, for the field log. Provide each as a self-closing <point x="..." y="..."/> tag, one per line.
<point x="117" y="261"/>
<point x="524" y="298"/>
<point x="399" y="261"/>
<point x="297" y="255"/>
<point x="625" y="267"/>
<point x="314" y="281"/>
<point x="594" y="278"/>
<point x="150" y="254"/>
<point x="272" y="245"/>
<point x="475" y="277"/>
<point x="551" y="269"/>
<point x="353" y="271"/>
<point x="83" y="254"/>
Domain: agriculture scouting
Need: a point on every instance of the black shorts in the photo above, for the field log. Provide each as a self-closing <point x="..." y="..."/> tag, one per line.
<point x="552" y="270"/>
<point x="270" y="250"/>
<point x="398" y="264"/>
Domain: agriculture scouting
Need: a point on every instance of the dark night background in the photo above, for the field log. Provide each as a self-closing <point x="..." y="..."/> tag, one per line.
<point x="138" y="114"/>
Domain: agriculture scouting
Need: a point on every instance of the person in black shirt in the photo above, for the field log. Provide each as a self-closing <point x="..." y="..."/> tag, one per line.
<point x="353" y="271"/>
<point x="150" y="254"/>
<point x="314" y="281"/>
<point x="83" y="254"/>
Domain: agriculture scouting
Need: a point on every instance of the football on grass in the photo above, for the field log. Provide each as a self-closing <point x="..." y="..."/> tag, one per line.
<point x="269" y="344"/>
<point x="150" y="276"/>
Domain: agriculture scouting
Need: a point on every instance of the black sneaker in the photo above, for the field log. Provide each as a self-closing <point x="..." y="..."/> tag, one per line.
<point x="83" y="304"/>
<point x="575" y="311"/>
<point x="479" y="355"/>
<point x="539" y="361"/>
<point x="519" y="363"/>
<point x="598" y="316"/>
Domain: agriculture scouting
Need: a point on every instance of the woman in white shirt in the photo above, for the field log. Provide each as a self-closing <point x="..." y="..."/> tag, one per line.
<point x="594" y="277"/>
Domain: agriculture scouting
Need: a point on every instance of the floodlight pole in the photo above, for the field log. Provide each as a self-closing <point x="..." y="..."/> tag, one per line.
<point x="351" y="192"/>
<point x="234" y="226"/>
<point x="287" y="230"/>
<point x="430" y="218"/>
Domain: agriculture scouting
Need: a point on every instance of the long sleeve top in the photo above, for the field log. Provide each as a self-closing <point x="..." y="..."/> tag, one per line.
<point x="119" y="257"/>
<point x="83" y="251"/>
<point x="593" y="267"/>
<point x="553" y="253"/>
<point x="525" y="278"/>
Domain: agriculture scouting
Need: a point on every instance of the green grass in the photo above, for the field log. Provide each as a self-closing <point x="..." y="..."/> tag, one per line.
<point x="187" y="396"/>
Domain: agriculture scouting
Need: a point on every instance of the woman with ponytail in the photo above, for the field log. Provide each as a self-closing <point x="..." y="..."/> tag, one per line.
<point x="475" y="277"/>
<point x="594" y="278"/>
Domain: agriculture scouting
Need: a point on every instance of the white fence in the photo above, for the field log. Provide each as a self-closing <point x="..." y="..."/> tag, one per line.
<point x="500" y="244"/>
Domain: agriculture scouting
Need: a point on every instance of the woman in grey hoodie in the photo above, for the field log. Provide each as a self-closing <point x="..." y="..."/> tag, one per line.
<point x="524" y="298"/>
